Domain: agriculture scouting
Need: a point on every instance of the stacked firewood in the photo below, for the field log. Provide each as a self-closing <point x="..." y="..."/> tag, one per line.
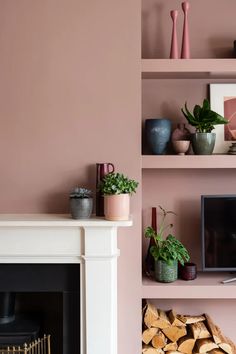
<point x="171" y="333"/>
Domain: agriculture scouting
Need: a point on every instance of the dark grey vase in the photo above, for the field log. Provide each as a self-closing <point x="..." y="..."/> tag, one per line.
<point x="203" y="143"/>
<point x="164" y="272"/>
<point x="158" y="131"/>
<point x="81" y="208"/>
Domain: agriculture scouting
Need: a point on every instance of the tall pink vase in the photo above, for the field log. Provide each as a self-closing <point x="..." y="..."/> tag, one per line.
<point x="174" y="54"/>
<point x="185" y="52"/>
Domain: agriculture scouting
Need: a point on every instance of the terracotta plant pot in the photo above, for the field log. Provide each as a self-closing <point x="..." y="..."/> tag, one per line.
<point x="181" y="146"/>
<point x="117" y="207"/>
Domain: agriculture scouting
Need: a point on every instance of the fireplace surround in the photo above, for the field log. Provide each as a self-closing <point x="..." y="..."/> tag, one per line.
<point x="91" y="243"/>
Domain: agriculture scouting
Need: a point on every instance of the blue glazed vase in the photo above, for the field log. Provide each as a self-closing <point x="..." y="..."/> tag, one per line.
<point x="158" y="133"/>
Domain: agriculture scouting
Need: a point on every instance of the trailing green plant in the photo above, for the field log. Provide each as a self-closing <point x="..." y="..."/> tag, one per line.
<point x="81" y="193"/>
<point x="166" y="249"/>
<point x="117" y="183"/>
<point x="203" y="118"/>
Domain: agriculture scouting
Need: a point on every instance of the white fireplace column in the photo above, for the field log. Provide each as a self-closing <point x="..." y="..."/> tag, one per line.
<point x="101" y="289"/>
<point x="55" y="238"/>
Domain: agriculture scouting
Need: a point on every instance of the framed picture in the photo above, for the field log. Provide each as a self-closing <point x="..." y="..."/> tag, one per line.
<point x="223" y="101"/>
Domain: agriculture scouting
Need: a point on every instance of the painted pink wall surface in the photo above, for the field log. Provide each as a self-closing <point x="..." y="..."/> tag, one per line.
<point x="70" y="97"/>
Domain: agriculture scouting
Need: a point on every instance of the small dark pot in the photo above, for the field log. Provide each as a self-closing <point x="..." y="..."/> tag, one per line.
<point x="203" y="143"/>
<point x="166" y="273"/>
<point x="81" y="208"/>
<point x="158" y="133"/>
<point x="188" y="271"/>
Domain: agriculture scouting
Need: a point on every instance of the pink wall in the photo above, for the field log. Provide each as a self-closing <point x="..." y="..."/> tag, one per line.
<point x="70" y="97"/>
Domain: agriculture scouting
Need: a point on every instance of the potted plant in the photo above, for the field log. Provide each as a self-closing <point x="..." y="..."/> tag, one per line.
<point x="116" y="189"/>
<point x="203" y="119"/>
<point x="167" y="252"/>
<point x="81" y="203"/>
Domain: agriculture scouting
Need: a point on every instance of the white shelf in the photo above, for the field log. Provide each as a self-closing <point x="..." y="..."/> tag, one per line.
<point x="188" y="68"/>
<point x="188" y="162"/>
<point x="52" y="220"/>
<point x="206" y="286"/>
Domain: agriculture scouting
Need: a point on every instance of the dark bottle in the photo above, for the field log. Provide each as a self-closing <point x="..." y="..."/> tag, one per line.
<point x="149" y="260"/>
<point x="102" y="169"/>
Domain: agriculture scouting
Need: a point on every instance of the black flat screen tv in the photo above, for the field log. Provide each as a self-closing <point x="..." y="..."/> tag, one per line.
<point x="218" y="228"/>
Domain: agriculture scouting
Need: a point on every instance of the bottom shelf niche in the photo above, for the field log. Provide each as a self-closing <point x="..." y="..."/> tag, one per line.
<point x="222" y="312"/>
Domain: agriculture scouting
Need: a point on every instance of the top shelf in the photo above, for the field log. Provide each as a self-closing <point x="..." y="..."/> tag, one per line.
<point x="188" y="68"/>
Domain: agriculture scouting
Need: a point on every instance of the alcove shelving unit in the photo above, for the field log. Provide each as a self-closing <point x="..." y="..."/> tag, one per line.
<point x="163" y="169"/>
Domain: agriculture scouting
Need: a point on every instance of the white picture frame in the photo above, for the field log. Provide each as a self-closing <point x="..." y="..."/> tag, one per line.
<point x="219" y="94"/>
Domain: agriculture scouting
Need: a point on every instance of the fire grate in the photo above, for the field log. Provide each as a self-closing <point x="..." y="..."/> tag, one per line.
<point x="40" y="346"/>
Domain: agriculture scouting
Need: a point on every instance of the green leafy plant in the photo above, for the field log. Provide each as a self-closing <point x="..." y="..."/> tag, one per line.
<point x="117" y="183"/>
<point x="80" y="193"/>
<point x="203" y="118"/>
<point x="166" y="249"/>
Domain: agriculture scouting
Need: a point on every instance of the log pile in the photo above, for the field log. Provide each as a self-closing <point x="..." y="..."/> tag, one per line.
<point x="171" y="333"/>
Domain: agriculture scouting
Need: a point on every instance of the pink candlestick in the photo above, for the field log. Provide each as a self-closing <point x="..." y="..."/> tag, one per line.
<point x="185" y="52"/>
<point x="174" y="43"/>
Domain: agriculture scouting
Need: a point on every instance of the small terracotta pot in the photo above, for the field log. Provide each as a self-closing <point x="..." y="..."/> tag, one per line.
<point x="117" y="207"/>
<point x="181" y="146"/>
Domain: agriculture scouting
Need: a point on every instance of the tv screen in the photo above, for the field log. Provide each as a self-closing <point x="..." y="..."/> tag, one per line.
<point x="218" y="218"/>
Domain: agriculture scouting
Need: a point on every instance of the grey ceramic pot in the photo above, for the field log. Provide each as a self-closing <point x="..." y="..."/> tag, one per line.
<point x="81" y="208"/>
<point x="158" y="133"/>
<point x="166" y="273"/>
<point x="203" y="143"/>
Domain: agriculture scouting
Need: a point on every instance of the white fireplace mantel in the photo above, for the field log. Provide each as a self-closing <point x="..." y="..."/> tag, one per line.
<point x="56" y="238"/>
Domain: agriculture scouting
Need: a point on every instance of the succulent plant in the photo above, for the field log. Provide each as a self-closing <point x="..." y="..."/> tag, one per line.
<point x="81" y="193"/>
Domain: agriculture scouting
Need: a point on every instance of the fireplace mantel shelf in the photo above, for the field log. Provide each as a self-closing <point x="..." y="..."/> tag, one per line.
<point x="57" y="220"/>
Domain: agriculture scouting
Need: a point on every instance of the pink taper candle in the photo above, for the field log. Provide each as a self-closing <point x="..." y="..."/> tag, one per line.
<point x="185" y="52"/>
<point x="174" y="43"/>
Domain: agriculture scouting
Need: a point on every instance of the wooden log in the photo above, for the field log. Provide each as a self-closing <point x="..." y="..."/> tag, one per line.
<point x="162" y="321"/>
<point x="186" y="344"/>
<point x="214" y="330"/>
<point x="223" y="342"/>
<point x="150" y="315"/>
<point x="150" y="350"/>
<point x="199" y="330"/>
<point x="173" y="333"/>
<point x="174" y="320"/>
<point x="148" y="335"/>
<point x="228" y="346"/>
<point x="159" y="340"/>
<point x="205" y="345"/>
<point x="172" y="346"/>
<point x="216" y="351"/>
<point x="190" y="319"/>
<point x="174" y="352"/>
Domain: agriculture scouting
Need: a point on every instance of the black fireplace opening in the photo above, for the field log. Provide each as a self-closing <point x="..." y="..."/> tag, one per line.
<point x="38" y="299"/>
